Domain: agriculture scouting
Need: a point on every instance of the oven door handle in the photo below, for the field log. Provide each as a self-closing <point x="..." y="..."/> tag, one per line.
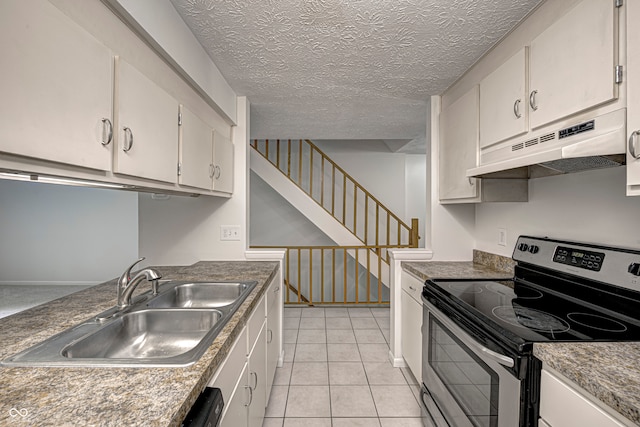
<point x="500" y="358"/>
<point x="497" y="357"/>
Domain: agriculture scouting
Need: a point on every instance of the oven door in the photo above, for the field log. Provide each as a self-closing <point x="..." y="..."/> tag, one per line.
<point x="464" y="383"/>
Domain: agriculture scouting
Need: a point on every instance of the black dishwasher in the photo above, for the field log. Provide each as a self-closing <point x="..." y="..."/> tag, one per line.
<point x="207" y="410"/>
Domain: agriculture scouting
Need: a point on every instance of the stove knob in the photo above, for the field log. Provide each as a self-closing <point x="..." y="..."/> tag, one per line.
<point x="534" y="249"/>
<point x="634" y="268"/>
<point x="523" y="247"/>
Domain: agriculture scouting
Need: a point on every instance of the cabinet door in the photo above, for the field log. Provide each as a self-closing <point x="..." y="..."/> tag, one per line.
<point x="235" y="409"/>
<point x="503" y="101"/>
<point x="563" y="404"/>
<point x="196" y="151"/>
<point x="147" y="137"/>
<point x="411" y="321"/>
<point x="458" y="147"/>
<point x="633" y="98"/>
<point x="56" y="87"/>
<point x="573" y="61"/>
<point x="223" y="163"/>
<point x="274" y="304"/>
<point x="257" y="379"/>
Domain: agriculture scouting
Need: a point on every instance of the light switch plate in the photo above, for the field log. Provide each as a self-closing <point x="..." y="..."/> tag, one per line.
<point x="229" y="232"/>
<point x="502" y="236"/>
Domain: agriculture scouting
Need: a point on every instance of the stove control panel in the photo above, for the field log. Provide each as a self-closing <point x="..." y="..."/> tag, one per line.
<point x="579" y="258"/>
<point x="621" y="266"/>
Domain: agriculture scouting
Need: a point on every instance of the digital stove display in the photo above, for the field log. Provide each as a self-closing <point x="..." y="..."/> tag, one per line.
<point x="579" y="258"/>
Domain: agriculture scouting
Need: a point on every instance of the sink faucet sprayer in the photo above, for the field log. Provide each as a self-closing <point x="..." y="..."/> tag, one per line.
<point x="127" y="284"/>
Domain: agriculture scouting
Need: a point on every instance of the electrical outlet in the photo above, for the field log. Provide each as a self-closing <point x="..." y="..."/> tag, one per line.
<point x="502" y="236"/>
<point x="229" y="232"/>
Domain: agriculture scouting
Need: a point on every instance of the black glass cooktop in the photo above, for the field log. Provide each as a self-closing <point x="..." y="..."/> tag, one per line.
<point x="520" y="312"/>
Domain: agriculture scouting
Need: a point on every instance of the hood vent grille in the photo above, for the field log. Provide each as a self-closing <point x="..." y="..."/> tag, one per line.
<point x="517" y="147"/>
<point x="547" y="137"/>
<point x="582" y="164"/>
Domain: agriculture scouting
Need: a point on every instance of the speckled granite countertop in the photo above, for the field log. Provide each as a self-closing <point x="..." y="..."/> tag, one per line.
<point x="608" y="371"/>
<point x="483" y="266"/>
<point x="113" y="396"/>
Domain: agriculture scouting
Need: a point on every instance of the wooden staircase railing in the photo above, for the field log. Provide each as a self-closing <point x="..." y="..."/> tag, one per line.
<point x="339" y="194"/>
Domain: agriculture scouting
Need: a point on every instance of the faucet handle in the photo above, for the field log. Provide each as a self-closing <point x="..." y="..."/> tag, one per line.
<point x="126" y="276"/>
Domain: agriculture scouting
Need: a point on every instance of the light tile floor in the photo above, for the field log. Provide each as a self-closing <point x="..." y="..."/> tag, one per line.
<point x="337" y="372"/>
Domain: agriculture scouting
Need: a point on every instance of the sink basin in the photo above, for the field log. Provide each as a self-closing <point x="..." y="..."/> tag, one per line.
<point x="171" y="329"/>
<point x="201" y="295"/>
<point x="146" y="334"/>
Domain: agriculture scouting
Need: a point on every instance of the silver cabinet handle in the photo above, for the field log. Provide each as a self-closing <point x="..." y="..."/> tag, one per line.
<point x="632" y="144"/>
<point x="532" y="100"/>
<point x="128" y="147"/>
<point x="255" y="375"/>
<point x="516" y="109"/>
<point x="276" y="290"/>
<point x="412" y="288"/>
<point x="106" y="124"/>
<point x="270" y="338"/>
<point x="250" y="395"/>
<point x="211" y="170"/>
<point x="218" y="171"/>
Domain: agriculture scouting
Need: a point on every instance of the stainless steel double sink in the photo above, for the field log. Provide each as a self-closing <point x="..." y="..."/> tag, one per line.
<point x="173" y="328"/>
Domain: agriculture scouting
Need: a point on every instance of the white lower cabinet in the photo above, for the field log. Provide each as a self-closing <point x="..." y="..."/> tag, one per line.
<point x="274" y="332"/>
<point x="564" y="404"/>
<point x="235" y="408"/>
<point x="258" y="379"/>
<point x="246" y="375"/>
<point x="411" y="321"/>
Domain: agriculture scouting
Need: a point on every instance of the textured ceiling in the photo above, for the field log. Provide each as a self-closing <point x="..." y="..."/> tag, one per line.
<point x="346" y="69"/>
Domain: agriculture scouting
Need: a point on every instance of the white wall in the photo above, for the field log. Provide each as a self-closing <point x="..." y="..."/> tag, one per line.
<point x="53" y="233"/>
<point x="184" y="230"/>
<point x="383" y="174"/>
<point x="587" y="206"/>
<point x="274" y="221"/>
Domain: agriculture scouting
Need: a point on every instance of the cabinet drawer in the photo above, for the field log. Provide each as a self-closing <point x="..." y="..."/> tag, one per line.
<point x="412" y="286"/>
<point x="256" y="321"/>
<point x="230" y="370"/>
<point x="563" y="406"/>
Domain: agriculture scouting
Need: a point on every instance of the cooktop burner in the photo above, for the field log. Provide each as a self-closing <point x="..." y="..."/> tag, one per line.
<point x="595" y="321"/>
<point x="531" y="319"/>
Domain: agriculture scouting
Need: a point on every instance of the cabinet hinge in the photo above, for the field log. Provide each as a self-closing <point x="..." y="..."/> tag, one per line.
<point x="179" y="119"/>
<point x="619" y="70"/>
<point x="179" y="169"/>
<point x="619" y="3"/>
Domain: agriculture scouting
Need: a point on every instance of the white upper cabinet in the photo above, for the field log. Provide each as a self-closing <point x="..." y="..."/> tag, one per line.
<point x="633" y="98"/>
<point x="56" y="87"/>
<point x="222" y="163"/>
<point x="572" y="63"/>
<point x="196" y="151"/>
<point x="147" y="127"/>
<point x="503" y="101"/>
<point x="458" y="147"/>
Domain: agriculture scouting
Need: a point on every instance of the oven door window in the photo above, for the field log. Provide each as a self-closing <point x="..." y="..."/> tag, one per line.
<point x="473" y="384"/>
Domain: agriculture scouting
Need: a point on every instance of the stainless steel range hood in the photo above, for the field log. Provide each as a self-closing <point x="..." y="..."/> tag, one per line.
<point x="587" y="143"/>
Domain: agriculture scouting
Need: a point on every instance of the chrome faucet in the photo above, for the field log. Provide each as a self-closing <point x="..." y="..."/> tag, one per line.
<point x="127" y="284"/>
